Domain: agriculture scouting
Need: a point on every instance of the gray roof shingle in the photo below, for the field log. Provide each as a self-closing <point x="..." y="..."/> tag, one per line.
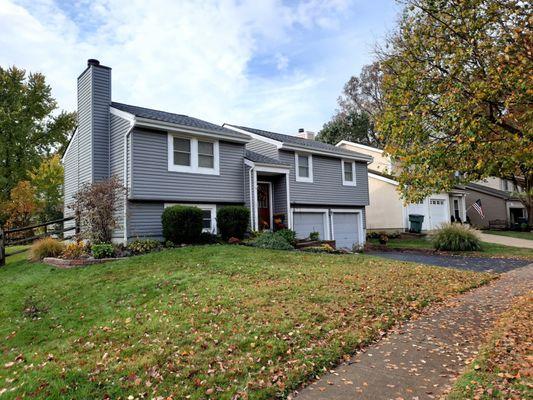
<point x="301" y="142"/>
<point x="259" y="158"/>
<point x="172" y="118"/>
<point x="491" y="191"/>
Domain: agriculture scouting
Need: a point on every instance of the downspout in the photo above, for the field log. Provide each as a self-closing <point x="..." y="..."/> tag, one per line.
<point x="125" y="178"/>
<point x="250" y="178"/>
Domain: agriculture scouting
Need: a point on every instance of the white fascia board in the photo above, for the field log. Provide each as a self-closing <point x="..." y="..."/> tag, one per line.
<point x="69" y="143"/>
<point x="303" y="149"/>
<point x="169" y="127"/>
<point x="271" y="168"/>
<point x="382" y="178"/>
<point x="276" y="143"/>
<point x="361" y="146"/>
<point x="123" y="114"/>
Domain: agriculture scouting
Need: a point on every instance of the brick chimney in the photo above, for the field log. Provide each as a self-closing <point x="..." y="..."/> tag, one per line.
<point x="302" y="133"/>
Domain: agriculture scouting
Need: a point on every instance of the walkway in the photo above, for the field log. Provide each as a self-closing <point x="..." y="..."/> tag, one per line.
<point x="479" y="264"/>
<point x="420" y="359"/>
<point x="506" y="240"/>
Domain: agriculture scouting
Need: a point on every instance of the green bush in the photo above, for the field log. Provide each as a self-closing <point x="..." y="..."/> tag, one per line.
<point x="269" y="240"/>
<point x="289" y="235"/>
<point x="182" y="224"/>
<point x="232" y="221"/>
<point x="456" y="237"/>
<point x="314" y="236"/>
<point x="46" y="247"/>
<point x="142" y="246"/>
<point x="207" y="238"/>
<point x="102" y="250"/>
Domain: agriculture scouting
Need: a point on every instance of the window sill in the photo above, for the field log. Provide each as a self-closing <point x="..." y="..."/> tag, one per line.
<point x="352" y="184"/>
<point x="198" y="171"/>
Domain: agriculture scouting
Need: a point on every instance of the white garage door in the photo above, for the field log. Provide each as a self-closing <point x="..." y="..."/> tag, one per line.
<point x="346" y="229"/>
<point x="437" y="213"/>
<point x="307" y="222"/>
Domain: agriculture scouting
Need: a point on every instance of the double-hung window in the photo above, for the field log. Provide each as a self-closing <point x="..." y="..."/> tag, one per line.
<point x="193" y="155"/>
<point x="348" y="173"/>
<point x="304" y="167"/>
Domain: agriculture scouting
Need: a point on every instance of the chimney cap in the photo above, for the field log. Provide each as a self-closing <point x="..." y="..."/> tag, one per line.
<point x="301" y="130"/>
<point x="93" y="61"/>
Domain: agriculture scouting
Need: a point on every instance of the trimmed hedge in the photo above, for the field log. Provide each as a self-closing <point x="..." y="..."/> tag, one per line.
<point x="182" y="224"/>
<point x="269" y="240"/>
<point x="232" y="221"/>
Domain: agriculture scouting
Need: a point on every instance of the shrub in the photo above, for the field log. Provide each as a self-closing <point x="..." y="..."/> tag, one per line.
<point x="289" y="235"/>
<point x="269" y="240"/>
<point x="46" y="247"/>
<point x="207" y="238"/>
<point x="182" y="224"/>
<point x="97" y="204"/>
<point x="74" y="250"/>
<point x="456" y="237"/>
<point x="142" y="246"/>
<point x="102" y="250"/>
<point x="314" y="236"/>
<point x="232" y="221"/>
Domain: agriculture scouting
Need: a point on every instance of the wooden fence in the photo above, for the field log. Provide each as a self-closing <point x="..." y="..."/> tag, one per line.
<point x="12" y="237"/>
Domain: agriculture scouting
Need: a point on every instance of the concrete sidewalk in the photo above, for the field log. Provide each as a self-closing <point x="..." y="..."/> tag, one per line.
<point x="506" y="240"/>
<point x="420" y="359"/>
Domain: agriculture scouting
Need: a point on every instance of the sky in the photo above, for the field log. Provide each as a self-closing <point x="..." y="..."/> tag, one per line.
<point x="268" y="64"/>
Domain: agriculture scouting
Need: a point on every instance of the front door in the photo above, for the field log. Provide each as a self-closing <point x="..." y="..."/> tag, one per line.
<point x="263" y="205"/>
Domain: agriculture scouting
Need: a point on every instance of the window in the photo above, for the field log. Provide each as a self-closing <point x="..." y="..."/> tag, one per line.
<point x="304" y="167"/>
<point x="456" y="211"/>
<point x="182" y="151"/>
<point x="192" y="155"/>
<point x="348" y="173"/>
<point x="209" y="212"/>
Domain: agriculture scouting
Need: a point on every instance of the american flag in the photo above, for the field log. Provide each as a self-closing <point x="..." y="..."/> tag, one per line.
<point x="477" y="206"/>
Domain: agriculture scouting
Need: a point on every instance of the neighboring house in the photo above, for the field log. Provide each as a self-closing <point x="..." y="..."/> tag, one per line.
<point x="165" y="159"/>
<point x="387" y="211"/>
<point x="497" y="205"/>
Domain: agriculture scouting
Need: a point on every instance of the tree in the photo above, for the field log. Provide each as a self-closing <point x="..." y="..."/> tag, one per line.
<point x="96" y="205"/>
<point x="352" y="126"/>
<point x="359" y="104"/>
<point x="47" y="180"/>
<point x="21" y="207"/>
<point x="457" y="95"/>
<point x="30" y="126"/>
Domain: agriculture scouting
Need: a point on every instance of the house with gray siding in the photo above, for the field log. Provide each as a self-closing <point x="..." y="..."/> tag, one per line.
<point x="164" y="159"/>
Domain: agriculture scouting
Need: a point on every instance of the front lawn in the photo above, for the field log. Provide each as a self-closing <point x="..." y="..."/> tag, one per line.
<point x="503" y="368"/>
<point x="207" y="321"/>
<point x="487" y="249"/>
<point x="514" y="234"/>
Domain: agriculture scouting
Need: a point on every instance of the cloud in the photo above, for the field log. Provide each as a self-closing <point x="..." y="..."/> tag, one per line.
<point x="194" y="57"/>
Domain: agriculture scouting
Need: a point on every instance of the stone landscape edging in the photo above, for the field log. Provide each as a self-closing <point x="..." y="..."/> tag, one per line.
<point x="82" y="262"/>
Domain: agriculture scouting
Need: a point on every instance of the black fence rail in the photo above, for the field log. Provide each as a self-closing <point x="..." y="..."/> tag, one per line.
<point x="27" y="234"/>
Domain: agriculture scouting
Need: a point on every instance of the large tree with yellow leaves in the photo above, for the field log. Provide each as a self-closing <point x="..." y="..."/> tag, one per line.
<point x="458" y="94"/>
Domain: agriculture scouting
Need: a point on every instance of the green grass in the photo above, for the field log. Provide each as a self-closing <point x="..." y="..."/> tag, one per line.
<point x="514" y="234"/>
<point x="487" y="249"/>
<point x="207" y="321"/>
<point x="500" y="371"/>
<point x="12" y="249"/>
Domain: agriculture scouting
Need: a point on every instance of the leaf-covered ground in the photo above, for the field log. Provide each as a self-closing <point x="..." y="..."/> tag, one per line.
<point x="504" y="368"/>
<point x="487" y="249"/>
<point x="207" y="321"/>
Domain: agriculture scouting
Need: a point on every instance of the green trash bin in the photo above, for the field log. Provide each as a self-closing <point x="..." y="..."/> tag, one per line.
<point x="416" y="221"/>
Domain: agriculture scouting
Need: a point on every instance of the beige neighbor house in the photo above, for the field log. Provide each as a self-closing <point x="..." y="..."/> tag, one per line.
<point x="387" y="211"/>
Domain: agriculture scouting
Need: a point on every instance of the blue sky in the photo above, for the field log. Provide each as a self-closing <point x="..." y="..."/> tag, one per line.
<point x="269" y="64"/>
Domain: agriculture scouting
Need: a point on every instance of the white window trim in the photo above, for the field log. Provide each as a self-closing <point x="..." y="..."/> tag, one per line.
<point x="193" y="168"/>
<point x="297" y="172"/>
<point x="344" y="181"/>
<point x="203" y="207"/>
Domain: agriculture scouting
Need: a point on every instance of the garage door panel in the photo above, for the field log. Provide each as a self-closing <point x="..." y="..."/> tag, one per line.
<point x="346" y="228"/>
<point x="437" y="212"/>
<point x="307" y="222"/>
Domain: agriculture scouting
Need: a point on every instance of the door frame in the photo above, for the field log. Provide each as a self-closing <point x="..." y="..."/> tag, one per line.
<point x="270" y="205"/>
<point x="362" y="235"/>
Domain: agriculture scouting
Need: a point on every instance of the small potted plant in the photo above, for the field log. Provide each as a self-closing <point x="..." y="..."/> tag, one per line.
<point x="383" y="238"/>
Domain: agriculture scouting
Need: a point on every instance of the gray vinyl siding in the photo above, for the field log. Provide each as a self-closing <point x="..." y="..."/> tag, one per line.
<point x="280" y="196"/>
<point x="327" y="187"/>
<point x="101" y="98"/>
<point x="85" y="150"/>
<point x="152" y="180"/>
<point x="262" y="147"/>
<point x="119" y="128"/>
<point x="70" y="185"/>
